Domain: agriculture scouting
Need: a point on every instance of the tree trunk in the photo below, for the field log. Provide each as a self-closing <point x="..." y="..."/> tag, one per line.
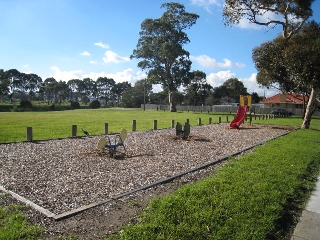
<point x="172" y="103"/>
<point x="310" y="110"/>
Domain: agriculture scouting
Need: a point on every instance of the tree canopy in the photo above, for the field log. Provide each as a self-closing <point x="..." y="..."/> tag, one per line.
<point x="198" y="89"/>
<point x="290" y="14"/>
<point x="293" y="64"/>
<point x="229" y="91"/>
<point x="161" y="47"/>
<point x="137" y="95"/>
<point x="23" y="86"/>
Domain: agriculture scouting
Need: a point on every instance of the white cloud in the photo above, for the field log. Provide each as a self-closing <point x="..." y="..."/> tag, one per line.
<point x="127" y="75"/>
<point x="26" y="69"/>
<point x="217" y="79"/>
<point x="100" y="44"/>
<point x="206" y="4"/>
<point x="65" y="75"/>
<point x="92" y="62"/>
<point x="208" y="62"/>
<point x="252" y="86"/>
<point x="112" y="57"/>
<point x="85" y="53"/>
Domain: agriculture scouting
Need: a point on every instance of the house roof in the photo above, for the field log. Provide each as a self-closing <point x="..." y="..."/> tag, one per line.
<point x="290" y="98"/>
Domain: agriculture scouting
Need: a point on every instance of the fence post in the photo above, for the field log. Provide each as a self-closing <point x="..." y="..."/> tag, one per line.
<point x="199" y="121"/>
<point x="29" y="134"/>
<point x="172" y="123"/>
<point x="227" y="119"/>
<point x="134" y="125"/>
<point x="187" y="120"/>
<point x="74" y="130"/>
<point x="210" y="120"/>
<point x="219" y="119"/>
<point x="106" y="128"/>
<point x="155" y="124"/>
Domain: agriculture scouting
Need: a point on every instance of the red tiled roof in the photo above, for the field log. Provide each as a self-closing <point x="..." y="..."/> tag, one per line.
<point x="290" y="98"/>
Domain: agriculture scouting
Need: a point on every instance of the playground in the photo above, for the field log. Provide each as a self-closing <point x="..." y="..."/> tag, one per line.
<point x="70" y="175"/>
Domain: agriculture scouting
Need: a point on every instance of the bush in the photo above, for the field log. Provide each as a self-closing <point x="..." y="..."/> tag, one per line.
<point x="25" y="104"/>
<point x="75" y="105"/>
<point x="5" y="108"/>
<point x="95" y="104"/>
<point x="52" y="107"/>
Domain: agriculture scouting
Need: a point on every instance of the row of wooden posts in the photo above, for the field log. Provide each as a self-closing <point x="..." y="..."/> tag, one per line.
<point x="155" y="123"/>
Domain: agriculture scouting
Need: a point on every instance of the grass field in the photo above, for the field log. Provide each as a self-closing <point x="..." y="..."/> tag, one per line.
<point x="257" y="196"/>
<point x="58" y="124"/>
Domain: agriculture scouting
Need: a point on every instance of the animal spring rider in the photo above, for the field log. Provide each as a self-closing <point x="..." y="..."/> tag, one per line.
<point x="114" y="142"/>
<point x="183" y="131"/>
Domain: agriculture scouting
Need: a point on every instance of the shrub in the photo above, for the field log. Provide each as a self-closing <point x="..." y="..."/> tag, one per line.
<point x="25" y="104"/>
<point x="52" y="107"/>
<point x="75" y="105"/>
<point x="95" y="104"/>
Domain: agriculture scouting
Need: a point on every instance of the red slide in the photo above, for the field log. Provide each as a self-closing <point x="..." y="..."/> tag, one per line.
<point x="238" y="119"/>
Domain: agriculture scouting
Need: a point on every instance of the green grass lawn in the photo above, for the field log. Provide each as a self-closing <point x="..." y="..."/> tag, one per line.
<point x="49" y="125"/>
<point x="58" y="124"/>
<point x="257" y="196"/>
<point x="13" y="225"/>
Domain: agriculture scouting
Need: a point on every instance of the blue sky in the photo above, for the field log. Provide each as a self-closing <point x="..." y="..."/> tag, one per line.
<point x="69" y="39"/>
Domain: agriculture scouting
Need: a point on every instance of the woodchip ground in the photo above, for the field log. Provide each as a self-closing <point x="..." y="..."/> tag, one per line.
<point x="66" y="174"/>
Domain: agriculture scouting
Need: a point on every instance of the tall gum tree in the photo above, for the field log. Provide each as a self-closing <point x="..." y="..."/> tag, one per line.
<point x="161" y="47"/>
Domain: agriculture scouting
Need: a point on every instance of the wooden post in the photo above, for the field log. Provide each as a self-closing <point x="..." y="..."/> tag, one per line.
<point x="134" y="125"/>
<point x="187" y="121"/>
<point x="106" y="128"/>
<point x="210" y="120"/>
<point x="219" y="119"/>
<point x="74" y="130"/>
<point x="199" y="121"/>
<point x="155" y="124"/>
<point x="29" y="134"/>
<point x="227" y="119"/>
<point x="172" y="123"/>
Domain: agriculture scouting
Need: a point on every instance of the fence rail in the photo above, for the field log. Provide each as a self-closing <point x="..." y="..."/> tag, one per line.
<point x="222" y="109"/>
